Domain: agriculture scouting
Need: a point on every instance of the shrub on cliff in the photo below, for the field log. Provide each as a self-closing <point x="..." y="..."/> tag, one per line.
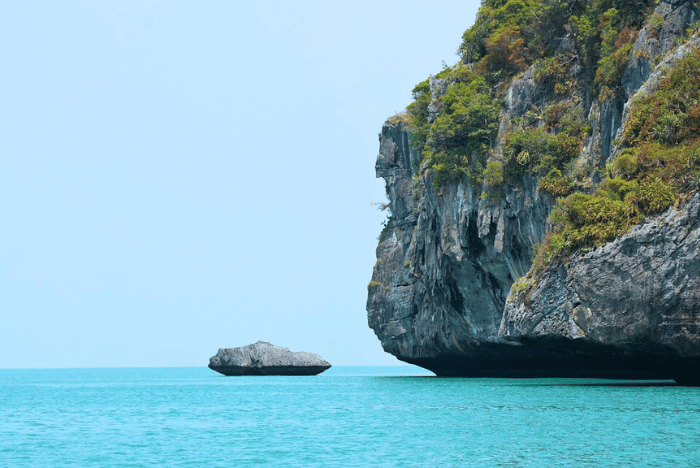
<point x="493" y="174"/>
<point x="537" y="151"/>
<point x="469" y="118"/>
<point x="456" y="142"/>
<point x="583" y="220"/>
<point x="501" y="38"/>
<point x="672" y="113"/>
<point x="592" y="220"/>
<point x="612" y="65"/>
<point x="555" y="183"/>
<point x="418" y="114"/>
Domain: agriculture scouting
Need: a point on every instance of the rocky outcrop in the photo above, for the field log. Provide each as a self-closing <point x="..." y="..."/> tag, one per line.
<point x="656" y="40"/>
<point x="445" y="265"/>
<point x="263" y="358"/>
<point x="440" y="295"/>
<point x="632" y="303"/>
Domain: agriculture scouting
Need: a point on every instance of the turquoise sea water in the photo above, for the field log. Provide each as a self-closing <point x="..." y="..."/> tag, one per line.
<point x="347" y="416"/>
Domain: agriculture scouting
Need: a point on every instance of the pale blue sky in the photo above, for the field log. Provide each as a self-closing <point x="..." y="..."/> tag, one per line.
<point x="181" y="176"/>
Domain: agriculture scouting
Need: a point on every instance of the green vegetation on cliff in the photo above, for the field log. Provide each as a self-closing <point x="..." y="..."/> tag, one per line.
<point x="670" y="115"/>
<point x="576" y="53"/>
<point x="661" y="163"/>
<point x="507" y="38"/>
<point x="510" y="35"/>
<point x="457" y="140"/>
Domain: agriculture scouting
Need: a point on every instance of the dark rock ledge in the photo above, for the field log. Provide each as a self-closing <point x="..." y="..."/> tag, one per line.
<point x="264" y="358"/>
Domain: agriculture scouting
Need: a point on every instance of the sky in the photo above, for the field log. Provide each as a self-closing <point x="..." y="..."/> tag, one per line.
<point x="177" y="177"/>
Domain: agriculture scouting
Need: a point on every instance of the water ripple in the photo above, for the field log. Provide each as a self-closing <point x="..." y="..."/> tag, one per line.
<point x="193" y="417"/>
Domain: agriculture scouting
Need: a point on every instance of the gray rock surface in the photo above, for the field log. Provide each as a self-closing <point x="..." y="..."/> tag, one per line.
<point x="263" y="358"/>
<point x="446" y="261"/>
<point x="440" y="291"/>
<point x="636" y="298"/>
<point x="655" y="41"/>
<point x="440" y="294"/>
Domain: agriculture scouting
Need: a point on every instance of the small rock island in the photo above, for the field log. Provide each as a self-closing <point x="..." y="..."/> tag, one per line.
<point x="264" y="358"/>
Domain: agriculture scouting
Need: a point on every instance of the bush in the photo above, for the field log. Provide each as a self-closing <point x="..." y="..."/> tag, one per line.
<point x="656" y="21"/>
<point x="527" y="146"/>
<point x="553" y="115"/>
<point x="624" y="165"/>
<point x="539" y="152"/>
<point x="503" y="39"/>
<point x="673" y="164"/>
<point x="418" y="114"/>
<point x="550" y="71"/>
<point x="446" y="166"/>
<point x="519" y="285"/>
<point x="556" y="184"/>
<point x="653" y="196"/>
<point x="505" y="53"/>
<point x="493" y="174"/>
<point x="469" y="118"/>
<point x="610" y="69"/>
<point x="400" y="118"/>
<point x="617" y="188"/>
<point x="594" y="220"/>
<point x="461" y="135"/>
<point x="551" y="248"/>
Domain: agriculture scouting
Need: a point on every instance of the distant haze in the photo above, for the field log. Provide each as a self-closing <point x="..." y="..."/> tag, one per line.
<point x="177" y="177"/>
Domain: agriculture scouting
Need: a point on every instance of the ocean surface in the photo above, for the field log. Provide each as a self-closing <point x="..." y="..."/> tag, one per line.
<point x="347" y="416"/>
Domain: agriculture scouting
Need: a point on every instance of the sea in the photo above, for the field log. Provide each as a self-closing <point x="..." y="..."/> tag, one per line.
<point x="346" y="417"/>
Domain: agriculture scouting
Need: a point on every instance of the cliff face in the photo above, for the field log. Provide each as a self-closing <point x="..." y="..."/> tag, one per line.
<point x="635" y="300"/>
<point x="442" y="293"/>
<point x="445" y="263"/>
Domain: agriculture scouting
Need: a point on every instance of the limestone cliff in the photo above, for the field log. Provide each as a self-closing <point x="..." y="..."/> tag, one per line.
<point x="442" y="293"/>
